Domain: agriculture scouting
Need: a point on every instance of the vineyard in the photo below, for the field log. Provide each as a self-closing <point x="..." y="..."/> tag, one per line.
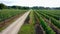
<point x="37" y="22"/>
<point x="9" y="15"/>
<point x="42" y="22"/>
<point x="6" y="14"/>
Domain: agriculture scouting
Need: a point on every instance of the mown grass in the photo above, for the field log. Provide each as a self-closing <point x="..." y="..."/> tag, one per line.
<point x="27" y="29"/>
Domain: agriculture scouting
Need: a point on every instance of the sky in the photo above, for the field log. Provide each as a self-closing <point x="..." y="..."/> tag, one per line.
<point x="31" y="3"/>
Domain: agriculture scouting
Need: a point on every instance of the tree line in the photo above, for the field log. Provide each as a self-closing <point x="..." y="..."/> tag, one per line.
<point x="3" y="6"/>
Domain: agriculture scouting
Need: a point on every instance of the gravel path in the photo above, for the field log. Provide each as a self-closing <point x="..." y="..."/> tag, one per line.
<point x="15" y="26"/>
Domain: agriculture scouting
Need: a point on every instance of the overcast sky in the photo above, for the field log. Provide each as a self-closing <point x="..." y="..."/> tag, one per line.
<point x="30" y="3"/>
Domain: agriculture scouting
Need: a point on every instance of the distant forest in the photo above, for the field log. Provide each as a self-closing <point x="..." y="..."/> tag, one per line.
<point x="3" y="6"/>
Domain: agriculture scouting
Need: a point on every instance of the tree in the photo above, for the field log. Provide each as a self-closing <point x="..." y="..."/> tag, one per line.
<point x="2" y="6"/>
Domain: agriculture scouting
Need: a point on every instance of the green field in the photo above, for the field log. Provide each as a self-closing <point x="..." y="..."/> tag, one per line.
<point x="7" y="16"/>
<point x="48" y="19"/>
<point x="38" y="21"/>
<point x="8" y="13"/>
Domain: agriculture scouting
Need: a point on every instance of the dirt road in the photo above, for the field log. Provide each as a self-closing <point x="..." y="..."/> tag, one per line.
<point x="15" y="26"/>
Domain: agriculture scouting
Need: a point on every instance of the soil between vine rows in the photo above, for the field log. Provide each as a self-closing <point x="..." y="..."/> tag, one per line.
<point x="52" y="26"/>
<point x="37" y="27"/>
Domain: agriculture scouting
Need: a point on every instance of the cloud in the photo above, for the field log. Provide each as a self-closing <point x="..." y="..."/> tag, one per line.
<point x="30" y="3"/>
